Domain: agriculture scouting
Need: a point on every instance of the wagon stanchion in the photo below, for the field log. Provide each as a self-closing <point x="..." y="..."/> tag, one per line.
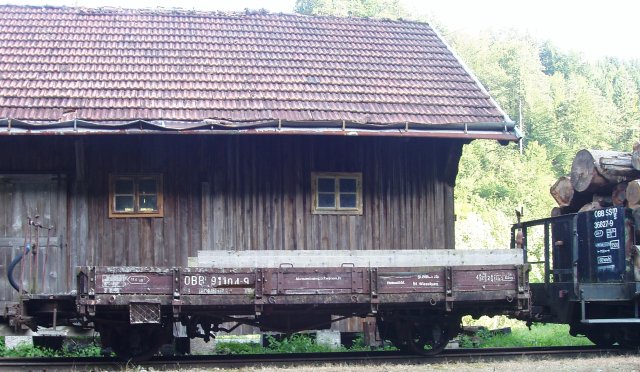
<point x="33" y="264"/>
<point x="26" y="248"/>
<point x="45" y="256"/>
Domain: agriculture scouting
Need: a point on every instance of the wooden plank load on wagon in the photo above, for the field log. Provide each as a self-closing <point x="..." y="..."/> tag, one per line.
<point x="161" y="134"/>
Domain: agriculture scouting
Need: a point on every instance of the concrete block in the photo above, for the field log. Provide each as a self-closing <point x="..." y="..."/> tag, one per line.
<point x="199" y="347"/>
<point x="329" y="338"/>
<point x="11" y="342"/>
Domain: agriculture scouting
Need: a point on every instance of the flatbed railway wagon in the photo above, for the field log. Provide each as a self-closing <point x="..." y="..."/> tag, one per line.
<point x="589" y="265"/>
<point x="418" y="297"/>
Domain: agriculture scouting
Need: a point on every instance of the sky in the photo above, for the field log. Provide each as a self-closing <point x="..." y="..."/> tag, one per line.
<point x="593" y="28"/>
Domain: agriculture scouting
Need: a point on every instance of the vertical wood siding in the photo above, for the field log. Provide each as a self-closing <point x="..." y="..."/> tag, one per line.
<point x="243" y="192"/>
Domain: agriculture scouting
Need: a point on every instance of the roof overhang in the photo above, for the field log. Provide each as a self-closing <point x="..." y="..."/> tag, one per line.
<point x="503" y="131"/>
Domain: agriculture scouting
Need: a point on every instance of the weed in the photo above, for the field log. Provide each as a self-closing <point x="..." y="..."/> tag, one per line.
<point x="539" y="335"/>
<point x="298" y="343"/>
<point x="239" y="348"/>
<point x="29" y="351"/>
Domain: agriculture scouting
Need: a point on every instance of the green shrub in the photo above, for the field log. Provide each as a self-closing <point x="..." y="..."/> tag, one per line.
<point x="86" y="351"/>
<point x="29" y="351"/>
<point x="24" y="350"/>
<point x="239" y="348"/>
<point x="298" y="343"/>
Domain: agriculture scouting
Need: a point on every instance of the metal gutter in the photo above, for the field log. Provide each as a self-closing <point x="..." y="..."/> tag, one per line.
<point x="496" y="131"/>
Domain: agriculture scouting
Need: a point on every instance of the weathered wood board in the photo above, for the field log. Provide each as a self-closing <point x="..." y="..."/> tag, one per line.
<point x="362" y="258"/>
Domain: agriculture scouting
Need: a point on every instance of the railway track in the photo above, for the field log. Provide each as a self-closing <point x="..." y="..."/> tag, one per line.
<point x="352" y="358"/>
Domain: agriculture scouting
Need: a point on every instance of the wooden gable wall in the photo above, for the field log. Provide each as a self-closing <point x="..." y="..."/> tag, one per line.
<point x="244" y="192"/>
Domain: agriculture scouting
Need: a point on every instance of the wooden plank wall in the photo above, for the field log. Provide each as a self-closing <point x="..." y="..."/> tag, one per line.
<point x="260" y="194"/>
<point x="244" y="192"/>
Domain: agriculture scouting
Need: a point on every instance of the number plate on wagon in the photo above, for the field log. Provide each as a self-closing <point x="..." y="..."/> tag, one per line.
<point x="218" y="283"/>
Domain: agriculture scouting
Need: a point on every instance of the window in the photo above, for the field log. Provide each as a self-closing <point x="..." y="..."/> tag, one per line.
<point x="135" y="195"/>
<point x="337" y="193"/>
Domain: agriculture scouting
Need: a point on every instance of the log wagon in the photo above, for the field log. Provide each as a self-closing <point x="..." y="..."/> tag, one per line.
<point x="170" y="166"/>
<point x="591" y="253"/>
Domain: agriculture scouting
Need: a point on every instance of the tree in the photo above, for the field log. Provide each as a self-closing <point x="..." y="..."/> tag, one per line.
<point x="355" y="8"/>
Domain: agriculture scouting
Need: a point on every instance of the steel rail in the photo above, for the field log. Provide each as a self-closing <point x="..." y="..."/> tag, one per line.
<point x="352" y="358"/>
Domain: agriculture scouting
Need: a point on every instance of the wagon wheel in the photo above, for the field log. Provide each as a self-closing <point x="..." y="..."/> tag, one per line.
<point x="423" y="339"/>
<point x="628" y="336"/>
<point x="388" y="331"/>
<point x="601" y="336"/>
<point x="136" y="343"/>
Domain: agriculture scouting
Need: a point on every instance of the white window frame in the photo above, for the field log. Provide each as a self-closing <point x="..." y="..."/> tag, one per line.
<point x="337" y="209"/>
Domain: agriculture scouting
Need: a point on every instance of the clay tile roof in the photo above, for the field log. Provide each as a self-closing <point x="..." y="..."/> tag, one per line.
<point x="118" y="65"/>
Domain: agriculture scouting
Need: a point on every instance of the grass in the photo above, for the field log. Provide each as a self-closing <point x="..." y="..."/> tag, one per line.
<point x="71" y="349"/>
<point x="297" y="343"/>
<point x="540" y="335"/>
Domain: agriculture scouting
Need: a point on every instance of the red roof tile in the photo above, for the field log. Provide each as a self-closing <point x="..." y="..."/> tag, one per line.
<point x="115" y="65"/>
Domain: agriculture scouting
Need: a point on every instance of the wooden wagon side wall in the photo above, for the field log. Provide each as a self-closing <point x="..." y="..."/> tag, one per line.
<point x="244" y="192"/>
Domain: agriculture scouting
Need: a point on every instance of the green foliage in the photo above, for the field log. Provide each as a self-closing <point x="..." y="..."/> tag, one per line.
<point x="356" y="8"/>
<point x="92" y="350"/>
<point x="296" y="343"/>
<point x="239" y="348"/>
<point x="29" y="351"/>
<point x="493" y="182"/>
<point x="563" y="102"/>
<point x="540" y="335"/>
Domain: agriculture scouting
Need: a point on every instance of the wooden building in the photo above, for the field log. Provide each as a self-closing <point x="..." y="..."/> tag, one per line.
<point x="144" y="136"/>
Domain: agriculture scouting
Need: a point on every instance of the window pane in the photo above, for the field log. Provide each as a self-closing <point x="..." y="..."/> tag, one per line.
<point x="347" y="185"/>
<point x="347" y="200"/>
<point x="124" y="203"/>
<point x="124" y="187"/>
<point x="147" y="186"/>
<point x="148" y="203"/>
<point x="326" y="185"/>
<point x="326" y="200"/>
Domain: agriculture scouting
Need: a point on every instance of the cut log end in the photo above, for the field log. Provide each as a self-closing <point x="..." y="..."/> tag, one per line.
<point x="635" y="156"/>
<point x="562" y="191"/>
<point x="619" y="194"/>
<point x="598" y="171"/>
<point x="636" y="218"/>
<point x="633" y="193"/>
<point x="584" y="174"/>
<point x="591" y="206"/>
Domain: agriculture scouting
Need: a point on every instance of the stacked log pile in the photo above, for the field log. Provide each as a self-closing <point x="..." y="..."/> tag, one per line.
<point x="600" y="179"/>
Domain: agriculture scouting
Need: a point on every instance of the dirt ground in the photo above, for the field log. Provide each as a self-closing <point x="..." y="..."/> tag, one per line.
<point x="595" y="364"/>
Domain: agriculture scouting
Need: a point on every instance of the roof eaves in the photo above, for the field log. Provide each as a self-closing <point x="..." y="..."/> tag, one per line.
<point x="488" y="130"/>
